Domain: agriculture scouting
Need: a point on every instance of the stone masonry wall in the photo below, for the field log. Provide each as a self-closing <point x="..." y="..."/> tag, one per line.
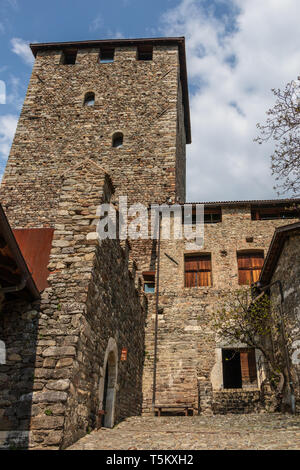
<point x="188" y="369"/>
<point x="288" y="272"/>
<point x="55" y="131"/>
<point x="84" y="306"/>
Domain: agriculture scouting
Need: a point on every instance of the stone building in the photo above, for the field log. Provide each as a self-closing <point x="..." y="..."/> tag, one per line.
<point x="281" y="277"/>
<point x="101" y="120"/>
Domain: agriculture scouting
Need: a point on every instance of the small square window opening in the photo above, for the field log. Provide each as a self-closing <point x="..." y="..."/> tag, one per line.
<point x="69" y="57"/>
<point x="149" y="282"/>
<point x="144" y="52"/>
<point x="106" y="55"/>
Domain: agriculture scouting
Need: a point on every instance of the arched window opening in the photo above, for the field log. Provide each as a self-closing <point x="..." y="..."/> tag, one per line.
<point x="89" y="99"/>
<point x="117" y="140"/>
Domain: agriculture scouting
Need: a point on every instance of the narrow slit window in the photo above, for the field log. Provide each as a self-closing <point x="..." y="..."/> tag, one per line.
<point x="144" y="52"/>
<point x="149" y="282"/>
<point x="89" y="99"/>
<point x="106" y="55"/>
<point x="69" y="57"/>
<point x="117" y="140"/>
<point x="249" y="266"/>
<point x="197" y="270"/>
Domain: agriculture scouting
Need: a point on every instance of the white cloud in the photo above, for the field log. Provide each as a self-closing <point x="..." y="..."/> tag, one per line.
<point x="15" y="97"/>
<point x="13" y="3"/>
<point x="231" y="70"/>
<point x="96" y="24"/>
<point x="8" y="124"/>
<point x="22" y="49"/>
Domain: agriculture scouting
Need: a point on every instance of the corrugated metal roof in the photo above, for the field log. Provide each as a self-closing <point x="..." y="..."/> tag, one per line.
<point x="246" y="202"/>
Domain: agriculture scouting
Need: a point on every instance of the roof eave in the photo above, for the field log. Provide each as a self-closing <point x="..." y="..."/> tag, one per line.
<point x="276" y="246"/>
<point x="16" y="252"/>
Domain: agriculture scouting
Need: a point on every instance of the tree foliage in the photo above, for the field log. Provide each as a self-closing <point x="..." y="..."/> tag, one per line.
<point x="283" y="127"/>
<point x="240" y="320"/>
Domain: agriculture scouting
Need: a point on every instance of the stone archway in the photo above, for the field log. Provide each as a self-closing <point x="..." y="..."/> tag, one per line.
<point x="108" y="383"/>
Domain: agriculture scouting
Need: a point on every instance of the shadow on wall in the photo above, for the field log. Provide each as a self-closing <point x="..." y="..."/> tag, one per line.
<point x="18" y="331"/>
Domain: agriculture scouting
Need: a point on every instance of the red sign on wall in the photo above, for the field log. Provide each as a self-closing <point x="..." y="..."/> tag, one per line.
<point x="124" y="354"/>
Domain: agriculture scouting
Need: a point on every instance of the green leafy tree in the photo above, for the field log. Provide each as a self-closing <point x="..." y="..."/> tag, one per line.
<point x="283" y="127"/>
<point x="240" y="320"/>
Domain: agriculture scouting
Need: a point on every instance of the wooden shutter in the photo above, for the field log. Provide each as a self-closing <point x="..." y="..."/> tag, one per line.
<point x="249" y="266"/>
<point x="197" y="271"/>
<point x="248" y="365"/>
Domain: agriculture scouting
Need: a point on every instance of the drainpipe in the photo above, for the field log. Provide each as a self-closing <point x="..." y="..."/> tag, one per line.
<point x="156" y="314"/>
<point x="283" y="333"/>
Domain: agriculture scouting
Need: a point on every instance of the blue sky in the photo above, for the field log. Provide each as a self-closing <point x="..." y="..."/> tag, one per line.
<point x="237" y="50"/>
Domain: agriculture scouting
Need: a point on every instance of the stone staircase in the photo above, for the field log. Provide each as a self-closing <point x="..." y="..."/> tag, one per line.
<point x="236" y="401"/>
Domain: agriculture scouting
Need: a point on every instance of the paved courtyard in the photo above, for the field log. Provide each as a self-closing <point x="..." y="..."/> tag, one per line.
<point x="252" y="431"/>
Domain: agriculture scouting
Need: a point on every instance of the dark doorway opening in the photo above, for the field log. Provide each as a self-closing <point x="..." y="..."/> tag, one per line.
<point x="232" y="374"/>
<point x="105" y="394"/>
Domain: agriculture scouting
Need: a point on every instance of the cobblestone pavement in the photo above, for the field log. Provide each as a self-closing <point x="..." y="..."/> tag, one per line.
<point x="252" y="431"/>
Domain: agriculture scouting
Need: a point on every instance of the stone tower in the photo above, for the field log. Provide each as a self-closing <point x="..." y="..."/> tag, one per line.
<point x="138" y="89"/>
<point x="101" y="119"/>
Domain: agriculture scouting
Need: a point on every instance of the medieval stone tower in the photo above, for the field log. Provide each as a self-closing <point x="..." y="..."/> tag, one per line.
<point x="79" y="317"/>
<point x="101" y="119"/>
<point x="82" y="99"/>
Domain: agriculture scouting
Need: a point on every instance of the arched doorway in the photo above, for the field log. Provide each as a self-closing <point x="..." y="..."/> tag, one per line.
<point x="109" y="391"/>
<point x="108" y="384"/>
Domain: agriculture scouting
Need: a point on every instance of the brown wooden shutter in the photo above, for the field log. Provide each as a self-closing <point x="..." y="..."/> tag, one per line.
<point x="197" y="270"/>
<point x="249" y="267"/>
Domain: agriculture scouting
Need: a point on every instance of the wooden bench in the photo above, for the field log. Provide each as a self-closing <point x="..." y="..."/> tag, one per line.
<point x="179" y="406"/>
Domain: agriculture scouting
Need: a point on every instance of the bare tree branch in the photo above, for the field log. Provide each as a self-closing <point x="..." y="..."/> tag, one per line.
<point x="283" y="127"/>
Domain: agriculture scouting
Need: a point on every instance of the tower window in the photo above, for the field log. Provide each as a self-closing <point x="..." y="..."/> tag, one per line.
<point x="149" y="282"/>
<point x="212" y="215"/>
<point x="197" y="270"/>
<point x="144" y="52"/>
<point x="106" y="55"/>
<point x="69" y="57"/>
<point x="249" y="266"/>
<point x="89" y="99"/>
<point x="117" y="140"/>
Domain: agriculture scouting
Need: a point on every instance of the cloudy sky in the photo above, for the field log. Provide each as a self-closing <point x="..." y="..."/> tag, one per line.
<point x="237" y="50"/>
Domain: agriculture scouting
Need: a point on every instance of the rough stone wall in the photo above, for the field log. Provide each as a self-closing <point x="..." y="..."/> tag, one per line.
<point x="236" y="401"/>
<point x="288" y="272"/>
<point x="84" y="306"/>
<point x="18" y="331"/>
<point x="188" y="367"/>
<point x="56" y="132"/>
